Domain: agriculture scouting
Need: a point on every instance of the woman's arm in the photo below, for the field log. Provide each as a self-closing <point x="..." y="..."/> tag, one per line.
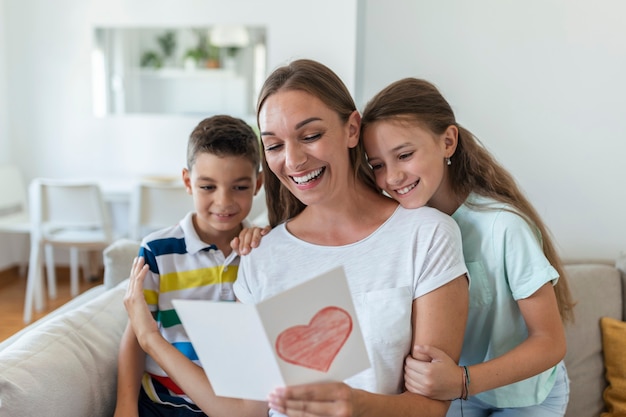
<point x="438" y="376"/>
<point x="438" y="318"/>
<point x="187" y="375"/>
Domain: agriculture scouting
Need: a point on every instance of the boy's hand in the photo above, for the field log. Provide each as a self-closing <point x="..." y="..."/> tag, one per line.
<point x="248" y="238"/>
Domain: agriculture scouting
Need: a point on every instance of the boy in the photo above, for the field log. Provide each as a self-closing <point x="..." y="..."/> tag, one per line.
<point x="192" y="259"/>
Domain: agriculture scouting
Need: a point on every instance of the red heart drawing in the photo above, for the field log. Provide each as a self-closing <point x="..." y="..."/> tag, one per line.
<point x="316" y="345"/>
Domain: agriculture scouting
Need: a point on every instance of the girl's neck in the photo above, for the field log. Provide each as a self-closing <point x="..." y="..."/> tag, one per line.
<point x="446" y="200"/>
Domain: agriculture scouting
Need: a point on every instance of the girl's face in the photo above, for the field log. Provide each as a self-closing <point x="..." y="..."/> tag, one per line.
<point x="306" y="145"/>
<point x="408" y="160"/>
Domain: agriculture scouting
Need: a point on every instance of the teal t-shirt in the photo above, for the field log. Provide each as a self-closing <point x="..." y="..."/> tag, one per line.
<point x="506" y="263"/>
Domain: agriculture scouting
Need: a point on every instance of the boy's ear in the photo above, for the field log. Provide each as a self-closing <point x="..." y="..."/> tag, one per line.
<point x="451" y="140"/>
<point x="259" y="182"/>
<point x="187" y="180"/>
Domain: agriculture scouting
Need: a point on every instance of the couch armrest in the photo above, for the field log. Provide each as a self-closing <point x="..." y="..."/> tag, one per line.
<point x="597" y="290"/>
<point x="118" y="259"/>
<point x="67" y="367"/>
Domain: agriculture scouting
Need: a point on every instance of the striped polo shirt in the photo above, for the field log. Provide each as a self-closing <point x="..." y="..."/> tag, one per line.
<point x="181" y="266"/>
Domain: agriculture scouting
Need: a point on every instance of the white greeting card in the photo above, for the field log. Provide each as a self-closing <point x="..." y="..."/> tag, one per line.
<point x="309" y="333"/>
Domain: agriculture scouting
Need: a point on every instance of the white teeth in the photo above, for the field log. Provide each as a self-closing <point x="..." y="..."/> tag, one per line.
<point x="308" y="177"/>
<point x="406" y="189"/>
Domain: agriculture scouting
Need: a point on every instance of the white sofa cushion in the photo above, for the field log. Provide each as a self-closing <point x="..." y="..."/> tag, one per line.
<point x="67" y="366"/>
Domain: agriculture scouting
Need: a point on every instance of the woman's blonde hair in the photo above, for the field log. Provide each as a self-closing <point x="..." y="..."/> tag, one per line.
<point x="319" y="81"/>
<point x="473" y="168"/>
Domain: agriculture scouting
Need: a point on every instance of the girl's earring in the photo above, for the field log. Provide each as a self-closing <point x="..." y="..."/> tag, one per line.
<point x="448" y="161"/>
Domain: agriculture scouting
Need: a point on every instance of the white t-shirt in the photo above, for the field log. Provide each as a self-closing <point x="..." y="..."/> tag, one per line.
<point x="412" y="253"/>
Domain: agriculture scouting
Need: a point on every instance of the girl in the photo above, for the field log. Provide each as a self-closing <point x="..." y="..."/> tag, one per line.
<point x="514" y="340"/>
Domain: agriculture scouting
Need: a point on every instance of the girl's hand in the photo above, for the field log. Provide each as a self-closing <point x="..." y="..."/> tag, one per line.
<point x="139" y="315"/>
<point x="248" y="238"/>
<point x="328" y="399"/>
<point x="434" y="374"/>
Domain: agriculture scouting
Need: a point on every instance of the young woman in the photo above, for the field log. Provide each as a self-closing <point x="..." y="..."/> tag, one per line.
<point x="514" y="342"/>
<point x="403" y="266"/>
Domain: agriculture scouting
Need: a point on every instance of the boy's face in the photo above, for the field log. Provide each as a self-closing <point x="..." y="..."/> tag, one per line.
<point x="222" y="190"/>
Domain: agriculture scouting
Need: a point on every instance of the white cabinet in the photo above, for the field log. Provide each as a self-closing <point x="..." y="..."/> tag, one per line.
<point x="186" y="91"/>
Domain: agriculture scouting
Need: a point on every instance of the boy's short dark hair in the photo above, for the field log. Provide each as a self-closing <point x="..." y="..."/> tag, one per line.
<point x="224" y="135"/>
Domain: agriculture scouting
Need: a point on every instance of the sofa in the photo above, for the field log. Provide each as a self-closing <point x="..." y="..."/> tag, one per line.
<point x="65" y="364"/>
<point x="599" y="289"/>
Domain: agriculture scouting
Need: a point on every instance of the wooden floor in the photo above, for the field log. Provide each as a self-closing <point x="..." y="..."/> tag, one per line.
<point x="13" y="290"/>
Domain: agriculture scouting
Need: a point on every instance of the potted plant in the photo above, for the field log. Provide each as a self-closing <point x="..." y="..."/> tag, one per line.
<point x="194" y="58"/>
<point x="167" y="42"/>
<point x="213" y="56"/>
<point x="151" y="59"/>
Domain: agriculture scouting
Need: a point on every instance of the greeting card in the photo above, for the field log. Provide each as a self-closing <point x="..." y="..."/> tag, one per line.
<point x="308" y="333"/>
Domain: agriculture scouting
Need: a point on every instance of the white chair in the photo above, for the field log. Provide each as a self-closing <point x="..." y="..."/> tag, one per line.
<point x="157" y="204"/>
<point x="68" y="214"/>
<point x="14" y="217"/>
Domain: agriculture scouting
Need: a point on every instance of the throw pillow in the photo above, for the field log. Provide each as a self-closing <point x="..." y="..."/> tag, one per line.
<point x="613" y="343"/>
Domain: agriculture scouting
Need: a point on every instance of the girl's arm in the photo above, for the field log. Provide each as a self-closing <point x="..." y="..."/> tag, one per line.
<point x="439" y="319"/>
<point x="438" y="376"/>
<point x="187" y="375"/>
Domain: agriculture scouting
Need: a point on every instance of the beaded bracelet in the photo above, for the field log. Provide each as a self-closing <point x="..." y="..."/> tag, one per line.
<point x="466" y="383"/>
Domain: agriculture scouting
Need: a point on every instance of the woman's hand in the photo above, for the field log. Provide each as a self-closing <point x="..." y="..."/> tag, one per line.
<point x="139" y="315"/>
<point x="433" y="374"/>
<point x="329" y="399"/>
<point x="248" y="239"/>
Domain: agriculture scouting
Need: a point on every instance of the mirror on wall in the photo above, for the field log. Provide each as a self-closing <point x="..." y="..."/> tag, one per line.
<point x="179" y="71"/>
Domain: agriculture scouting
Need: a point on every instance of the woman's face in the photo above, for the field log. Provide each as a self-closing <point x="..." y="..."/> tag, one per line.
<point x="408" y="160"/>
<point x="306" y="145"/>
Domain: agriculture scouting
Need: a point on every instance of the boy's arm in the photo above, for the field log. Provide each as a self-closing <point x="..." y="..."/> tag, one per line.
<point x="130" y="368"/>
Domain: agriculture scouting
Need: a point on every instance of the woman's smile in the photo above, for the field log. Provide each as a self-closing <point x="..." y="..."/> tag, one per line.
<point x="309" y="177"/>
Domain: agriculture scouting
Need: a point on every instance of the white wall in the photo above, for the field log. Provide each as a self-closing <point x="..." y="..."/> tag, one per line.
<point x="48" y="78"/>
<point x="540" y="82"/>
<point x="53" y="130"/>
<point x="5" y="146"/>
